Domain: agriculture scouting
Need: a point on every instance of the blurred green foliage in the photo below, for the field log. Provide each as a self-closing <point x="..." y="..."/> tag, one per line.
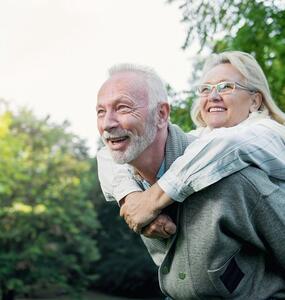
<point x="47" y="222"/>
<point x="57" y="233"/>
<point x="180" y="108"/>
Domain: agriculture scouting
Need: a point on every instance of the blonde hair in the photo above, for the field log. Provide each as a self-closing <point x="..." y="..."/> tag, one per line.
<point x="254" y="79"/>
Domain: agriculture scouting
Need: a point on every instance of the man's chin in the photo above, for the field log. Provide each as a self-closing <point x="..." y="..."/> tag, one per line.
<point x="119" y="158"/>
<point x="131" y="152"/>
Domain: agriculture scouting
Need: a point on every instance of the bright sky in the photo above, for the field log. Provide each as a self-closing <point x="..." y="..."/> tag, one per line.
<point x="54" y="54"/>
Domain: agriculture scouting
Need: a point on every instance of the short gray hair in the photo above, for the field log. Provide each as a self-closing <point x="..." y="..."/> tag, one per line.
<point x="155" y="86"/>
<point x="254" y="79"/>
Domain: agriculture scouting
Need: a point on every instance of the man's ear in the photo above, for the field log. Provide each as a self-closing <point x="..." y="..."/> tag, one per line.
<point x="256" y="102"/>
<point x="163" y="111"/>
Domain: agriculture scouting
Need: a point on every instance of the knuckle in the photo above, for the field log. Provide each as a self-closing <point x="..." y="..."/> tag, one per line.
<point x="153" y="227"/>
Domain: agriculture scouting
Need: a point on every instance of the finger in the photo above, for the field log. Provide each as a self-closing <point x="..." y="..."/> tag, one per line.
<point x="155" y="234"/>
<point x="155" y="230"/>
<point x="132" y="225"/>
<point x="170" y="227"/>
<point x="136" y="230"/>
<point x="166" y="222"/>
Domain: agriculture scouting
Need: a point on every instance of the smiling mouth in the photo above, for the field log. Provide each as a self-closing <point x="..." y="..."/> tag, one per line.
<point x="217" y="109"/>
<point x="116" y="140"/>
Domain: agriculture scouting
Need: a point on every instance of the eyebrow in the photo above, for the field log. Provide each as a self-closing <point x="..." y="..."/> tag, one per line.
<point x="119" y="99"/>
<point x="222" y="80"/>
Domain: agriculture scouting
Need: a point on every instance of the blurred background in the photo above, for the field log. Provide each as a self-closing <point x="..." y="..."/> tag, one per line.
<point x="59" y="239"/>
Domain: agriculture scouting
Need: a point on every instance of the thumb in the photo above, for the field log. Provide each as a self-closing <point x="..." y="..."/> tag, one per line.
<point x="169" y="227"/>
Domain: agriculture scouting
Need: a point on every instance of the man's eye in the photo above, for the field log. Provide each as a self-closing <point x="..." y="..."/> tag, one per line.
<point x="123" y="108"/>
<point x="100" y="112"/>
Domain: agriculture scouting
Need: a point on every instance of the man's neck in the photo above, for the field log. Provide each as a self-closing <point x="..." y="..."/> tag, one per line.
<point x="149" y="162"/>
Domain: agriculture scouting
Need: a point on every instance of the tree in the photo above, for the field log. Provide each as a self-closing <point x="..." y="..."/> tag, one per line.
<point x="253" y="26"/>
<point x="47" y="222"/>
<point x="262" y="34"/>
<point x="181" y="107"/>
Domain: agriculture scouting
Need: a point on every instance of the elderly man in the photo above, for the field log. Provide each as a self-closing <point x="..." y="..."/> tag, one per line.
<point x="222" y="248"/>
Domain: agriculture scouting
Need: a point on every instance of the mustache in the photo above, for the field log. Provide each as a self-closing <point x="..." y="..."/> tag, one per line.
<point x="116" y="133"/>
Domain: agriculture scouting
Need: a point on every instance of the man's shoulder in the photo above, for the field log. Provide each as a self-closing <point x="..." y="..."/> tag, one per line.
<point x="251" y="179"/>
<point x="176" y="143"/>
<point x="243" y="189"/>
<point x="176" y="133"/>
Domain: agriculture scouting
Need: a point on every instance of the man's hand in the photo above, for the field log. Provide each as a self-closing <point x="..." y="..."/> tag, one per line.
<point x="140" y="208"/>
<point x="161" y="227"/>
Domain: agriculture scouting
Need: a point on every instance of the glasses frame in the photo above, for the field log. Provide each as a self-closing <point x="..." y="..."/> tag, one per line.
<point x="236" y="85"/>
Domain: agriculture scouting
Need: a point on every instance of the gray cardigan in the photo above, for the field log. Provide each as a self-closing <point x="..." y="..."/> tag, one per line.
<point x="230" y="241"/>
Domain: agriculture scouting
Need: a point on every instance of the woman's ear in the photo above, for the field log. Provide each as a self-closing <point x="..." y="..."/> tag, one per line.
<point x="256" y="102"/>
<point x="163" y="112"/>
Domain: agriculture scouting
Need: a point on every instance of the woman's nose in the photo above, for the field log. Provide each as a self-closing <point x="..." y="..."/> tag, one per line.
<point x="214" y="95"/>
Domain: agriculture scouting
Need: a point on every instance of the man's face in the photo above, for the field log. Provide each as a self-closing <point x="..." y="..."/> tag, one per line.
<point x="123" y="117"/>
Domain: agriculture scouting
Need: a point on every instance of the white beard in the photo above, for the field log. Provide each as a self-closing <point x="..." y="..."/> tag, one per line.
<point x="137" y="143"/>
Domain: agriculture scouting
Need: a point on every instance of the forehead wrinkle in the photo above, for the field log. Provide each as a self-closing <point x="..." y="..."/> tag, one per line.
<point x="118" y="99"/>
<point x="138" y="90"/>
<point x="217" y="81"/>
<point x="126" y="84"/>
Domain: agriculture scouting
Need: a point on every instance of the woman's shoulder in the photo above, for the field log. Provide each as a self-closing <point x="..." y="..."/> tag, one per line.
<point x="200" y="131"/>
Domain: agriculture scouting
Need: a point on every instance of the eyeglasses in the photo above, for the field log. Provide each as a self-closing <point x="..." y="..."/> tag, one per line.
<point x="223" y="88"/>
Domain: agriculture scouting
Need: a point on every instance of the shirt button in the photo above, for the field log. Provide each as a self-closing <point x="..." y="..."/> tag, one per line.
<point x="181" y="275"/>
<point x="165" y="270"/>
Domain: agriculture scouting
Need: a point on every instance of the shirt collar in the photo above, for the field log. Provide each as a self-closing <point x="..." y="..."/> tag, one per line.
<point x="161" y="170"/>
<point x="159" y="174"/>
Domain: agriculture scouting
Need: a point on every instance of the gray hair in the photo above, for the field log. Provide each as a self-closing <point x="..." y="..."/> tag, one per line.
<point x="254" y="79"/>
<point x="155" y="86"/>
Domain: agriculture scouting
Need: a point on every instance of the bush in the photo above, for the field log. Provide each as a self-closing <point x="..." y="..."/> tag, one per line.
<point x="47" y="222"/>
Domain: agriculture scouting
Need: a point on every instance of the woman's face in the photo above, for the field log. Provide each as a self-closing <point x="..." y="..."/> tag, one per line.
<point x="229" y="109"/>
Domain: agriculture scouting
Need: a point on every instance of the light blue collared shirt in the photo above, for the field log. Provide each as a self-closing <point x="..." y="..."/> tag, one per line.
<point x="159" y="174"/>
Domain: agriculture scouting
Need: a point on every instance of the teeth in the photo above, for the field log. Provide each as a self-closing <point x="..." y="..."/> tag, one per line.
<point x="117" y="139"/>
<point x="213" y="109"/>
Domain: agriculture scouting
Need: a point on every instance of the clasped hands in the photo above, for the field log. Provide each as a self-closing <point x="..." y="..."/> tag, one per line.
<point x="141" y="211"/>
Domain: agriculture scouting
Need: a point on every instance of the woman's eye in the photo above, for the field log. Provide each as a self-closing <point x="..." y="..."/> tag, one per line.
<point x="226" y="86"/>
<point x="204" y="89"/>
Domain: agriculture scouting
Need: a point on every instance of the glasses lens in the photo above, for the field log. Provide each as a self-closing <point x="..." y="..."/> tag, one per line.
<point x="225" y="87"/>
<point x="203" y="89"/>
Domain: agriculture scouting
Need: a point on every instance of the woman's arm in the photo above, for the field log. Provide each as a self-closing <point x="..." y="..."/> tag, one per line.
<point x="209" y="159"/>
<point x="223" y="152"/>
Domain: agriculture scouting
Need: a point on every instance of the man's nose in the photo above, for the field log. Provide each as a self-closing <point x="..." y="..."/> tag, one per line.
<point x="110" y="121"/>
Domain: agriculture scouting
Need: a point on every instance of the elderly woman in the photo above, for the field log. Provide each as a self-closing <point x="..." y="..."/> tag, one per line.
<point x="223" y="249"/>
